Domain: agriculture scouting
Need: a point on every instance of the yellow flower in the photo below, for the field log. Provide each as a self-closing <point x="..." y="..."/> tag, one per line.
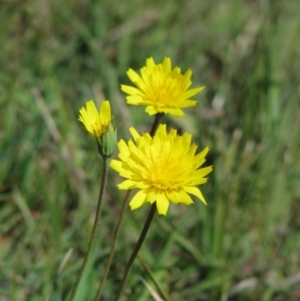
<point x="99" y="125"/>
<point x="161" y="89"/>
<point x="96" y="123"/>
<point x="164" y="168"/>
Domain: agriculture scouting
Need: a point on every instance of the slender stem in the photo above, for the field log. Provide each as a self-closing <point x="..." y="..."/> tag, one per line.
<point x="121" y="216"/>
<point x="95" y="228"/>
<point x="155" y="124"/>
<point x="149" y="272"/>
<point x="136" y="250"/>
<point x="113" y="247"/>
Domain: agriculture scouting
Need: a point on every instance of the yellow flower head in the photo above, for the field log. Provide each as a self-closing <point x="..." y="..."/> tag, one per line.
<point x="161" y="89"/>
<point x="164" y="168"/>
<point x="96" y="123"/>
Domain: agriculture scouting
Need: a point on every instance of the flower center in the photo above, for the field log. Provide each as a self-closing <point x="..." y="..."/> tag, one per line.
<point x="165" y="173"/>
<point x="165" y="88"/>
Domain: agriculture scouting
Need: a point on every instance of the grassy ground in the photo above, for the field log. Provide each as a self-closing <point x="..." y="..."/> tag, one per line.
<point x="55" y="55"/>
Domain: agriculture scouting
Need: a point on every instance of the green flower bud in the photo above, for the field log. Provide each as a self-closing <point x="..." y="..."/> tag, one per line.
<point x="107" y="142"/>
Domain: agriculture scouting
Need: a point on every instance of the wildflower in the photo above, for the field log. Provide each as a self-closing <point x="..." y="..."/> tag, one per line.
<point x="164" y="168"/>
<point x="161" y="89"/>
<point x="99" y="125"/>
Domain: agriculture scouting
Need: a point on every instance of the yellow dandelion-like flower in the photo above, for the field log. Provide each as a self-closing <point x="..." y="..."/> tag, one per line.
<point x="161" y="89"/>
<point x="96" y="123"/>
<point x="164" y="168"/>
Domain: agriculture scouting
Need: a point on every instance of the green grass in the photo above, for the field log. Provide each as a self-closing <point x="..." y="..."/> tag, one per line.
<point x="56" y="55"/>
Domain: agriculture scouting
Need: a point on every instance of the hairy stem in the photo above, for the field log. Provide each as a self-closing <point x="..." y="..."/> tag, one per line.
<point x="95" y="228"/>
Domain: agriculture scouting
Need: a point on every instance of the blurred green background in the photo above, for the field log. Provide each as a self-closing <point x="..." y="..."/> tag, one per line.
<point x="56" y="55"/>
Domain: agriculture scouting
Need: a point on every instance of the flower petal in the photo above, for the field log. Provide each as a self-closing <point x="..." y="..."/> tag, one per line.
<point x="185" y="198"/>
<point x="196" y="192"/>
<point x="105" y="112"/>
<point x="162" y="204"/>
<point x="138" y="200"/>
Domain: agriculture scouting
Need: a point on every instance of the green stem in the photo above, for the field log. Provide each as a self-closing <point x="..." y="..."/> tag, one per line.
<point x="136" y="251"/>
<point x="95" y="228"/>
<point x="113" y="247"/>
<point x="151" y="275"/>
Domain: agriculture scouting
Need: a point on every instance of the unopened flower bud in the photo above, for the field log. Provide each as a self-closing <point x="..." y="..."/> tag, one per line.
<point x="107" y="142"/>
